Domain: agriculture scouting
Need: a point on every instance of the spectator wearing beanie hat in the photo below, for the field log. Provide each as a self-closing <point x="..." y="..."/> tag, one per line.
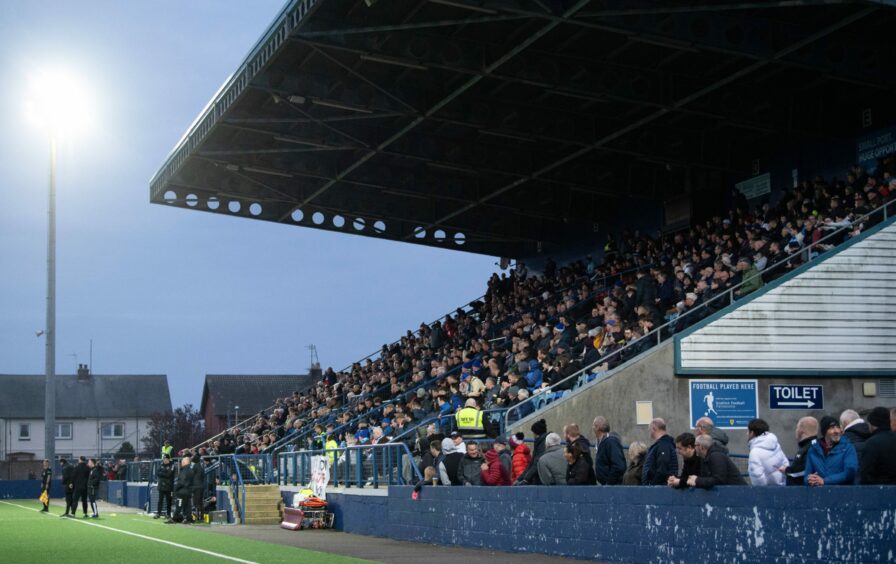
<point x="832" y="459"/>
<point x="879" y="457"/>
<point x="530" y="475"/>
<point x="522" y="456"/>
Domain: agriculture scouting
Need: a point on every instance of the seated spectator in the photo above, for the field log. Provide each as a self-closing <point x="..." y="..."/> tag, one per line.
<point x="579" y="471"/>
<point x="609" y="461"/>
<point x="660" y="461"/>
<point x="636" y="452"/>
<point x="806" y="433"/>
<point x="552" y="464"/>
<point x="716" y="468"/>
<point x="685" y="445"/>
<point x="767" y="460"/>
<point x="750" y="277"/>
<point x="493" y="471"/>
<point x="522" y="456"/>
<point x="878" y="464"/>
<point x="831" y="460"/>
<point x="469" y="472"/>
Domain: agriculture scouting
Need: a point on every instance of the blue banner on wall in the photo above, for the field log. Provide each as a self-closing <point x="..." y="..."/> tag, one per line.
<point x="871" y="147"/>
<point x="731" y="404"/>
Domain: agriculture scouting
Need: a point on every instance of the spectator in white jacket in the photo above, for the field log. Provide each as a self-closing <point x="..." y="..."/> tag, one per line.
<point x="767" y="460"/>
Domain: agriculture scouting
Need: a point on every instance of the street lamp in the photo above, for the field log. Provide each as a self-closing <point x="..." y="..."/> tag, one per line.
<point x="57" y="104"/>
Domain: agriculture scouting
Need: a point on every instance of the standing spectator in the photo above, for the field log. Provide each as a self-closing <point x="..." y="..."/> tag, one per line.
<point x="68" y="474"/>
<point x="530" y="474"/>
<point x="552" y="464"/>
<point x="636" y="452"/>
<point x="685" y="445"/>
<point x="766" y="457"/>
<point x="806" y="432"/>
<point x="522" y="456"/>
<point x="504" y="454"/>
<point x="609" y="461"/>
<point x="183" y="489"/>
<point x="879" y="457"/>
<point x="579" y="471"/>
<point x="705" y="426"/>
<point x="660" y="461"/>
<point x="449" y="464"/>
<point x="831" y="460"/>
<point x="469" y="472"/>
<point x="856" y="430"/>
<point x="93" y="485"/>
<point x="198" y="486"/>
<point x="165" y="477"/>
<point x="493" y="471"/>
<point x="716" y="468"/>
<point x="574" y="436"/>
<point x="645" y="289"/>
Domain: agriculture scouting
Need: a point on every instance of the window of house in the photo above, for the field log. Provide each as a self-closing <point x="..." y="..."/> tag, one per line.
<point x="64" y="431"/>
<point x="113" y="430"/>
<point x="24" y="432"/>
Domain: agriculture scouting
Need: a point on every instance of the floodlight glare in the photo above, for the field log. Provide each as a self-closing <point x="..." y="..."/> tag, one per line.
<point x="57" y="101"/>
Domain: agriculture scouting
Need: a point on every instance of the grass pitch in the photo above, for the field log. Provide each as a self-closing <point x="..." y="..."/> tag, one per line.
<point x="27" y="535"/>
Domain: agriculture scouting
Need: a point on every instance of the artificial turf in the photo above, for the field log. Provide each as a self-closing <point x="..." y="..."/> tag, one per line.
<point x="30" y="536"/>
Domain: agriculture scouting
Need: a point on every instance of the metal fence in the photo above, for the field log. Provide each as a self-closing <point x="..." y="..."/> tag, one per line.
<point x="388" y="464"/>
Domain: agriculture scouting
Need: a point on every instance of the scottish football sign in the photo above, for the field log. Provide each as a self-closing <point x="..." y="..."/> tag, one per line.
<point x="731" y="404"/>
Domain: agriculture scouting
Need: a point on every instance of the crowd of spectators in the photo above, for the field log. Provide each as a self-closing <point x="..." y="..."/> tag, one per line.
<point x="845" y="451"/>
<point x="531" y="332"/>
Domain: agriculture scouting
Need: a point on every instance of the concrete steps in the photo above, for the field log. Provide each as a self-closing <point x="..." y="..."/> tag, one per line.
<point x="263" y="505"/>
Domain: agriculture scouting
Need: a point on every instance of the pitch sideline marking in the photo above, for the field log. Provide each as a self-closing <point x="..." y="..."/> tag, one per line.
<point x="210" y="553"/>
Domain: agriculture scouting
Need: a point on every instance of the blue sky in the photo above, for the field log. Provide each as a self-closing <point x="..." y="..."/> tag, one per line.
<point x="164" y="290"/>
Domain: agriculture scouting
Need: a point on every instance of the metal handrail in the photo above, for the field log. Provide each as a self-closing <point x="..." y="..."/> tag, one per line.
<point x="729" y="294"/>
<point x="391" y="457"/>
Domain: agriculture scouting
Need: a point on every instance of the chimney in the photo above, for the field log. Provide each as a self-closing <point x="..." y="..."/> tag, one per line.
<point x="83" y="373"/>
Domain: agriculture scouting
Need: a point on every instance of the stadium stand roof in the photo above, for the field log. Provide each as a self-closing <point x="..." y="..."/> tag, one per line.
<point x="512" y="127"/>
<point x="251" y="393"/>
<point x="98" y="396"/>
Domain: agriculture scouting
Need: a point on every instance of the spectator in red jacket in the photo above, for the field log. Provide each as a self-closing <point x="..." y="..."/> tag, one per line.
<point x="493" y="472"/>
<point x="522" y="456"/>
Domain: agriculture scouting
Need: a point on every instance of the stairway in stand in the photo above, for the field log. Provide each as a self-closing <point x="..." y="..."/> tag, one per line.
<point x="263" y="505"/>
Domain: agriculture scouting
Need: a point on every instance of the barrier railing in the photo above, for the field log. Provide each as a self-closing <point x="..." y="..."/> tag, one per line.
<point x="356" y="466"/>
<point x="631" y="350"/>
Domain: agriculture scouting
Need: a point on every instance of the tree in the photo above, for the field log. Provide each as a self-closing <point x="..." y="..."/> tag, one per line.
<point x="184" y="428"/>
<point x="125" y="451"/>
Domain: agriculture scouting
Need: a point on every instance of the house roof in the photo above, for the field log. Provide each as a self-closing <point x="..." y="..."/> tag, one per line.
<point x="99" y="396"/>
<point x="251" y="392"/>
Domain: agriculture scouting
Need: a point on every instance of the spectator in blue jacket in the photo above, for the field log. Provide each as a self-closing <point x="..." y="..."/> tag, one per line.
<point x="832" y="459"/>
<point x="660" y="462"/>
<point x="609" y="461"/>
<point x="534" y="377"/>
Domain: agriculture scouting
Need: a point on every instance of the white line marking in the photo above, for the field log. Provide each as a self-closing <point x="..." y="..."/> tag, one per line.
<point x="185" y="547"/>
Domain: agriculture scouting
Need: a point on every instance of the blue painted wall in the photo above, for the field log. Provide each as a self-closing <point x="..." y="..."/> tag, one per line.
<point x="28" y="489"/>
<point x="116" y="492"/>
<point x="639" y="524"/>
<point x="137" y="495"/>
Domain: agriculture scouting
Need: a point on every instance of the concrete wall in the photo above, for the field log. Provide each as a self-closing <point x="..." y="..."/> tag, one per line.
<point x="639" y="524"/>
<point x="652" y="378"/>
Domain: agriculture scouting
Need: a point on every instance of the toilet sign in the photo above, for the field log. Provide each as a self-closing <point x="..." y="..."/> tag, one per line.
<point x="787" y="396"/>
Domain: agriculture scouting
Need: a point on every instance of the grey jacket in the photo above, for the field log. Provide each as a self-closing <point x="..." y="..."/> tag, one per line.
<point x="552" y="467"/>
<point x="469" y="473"/>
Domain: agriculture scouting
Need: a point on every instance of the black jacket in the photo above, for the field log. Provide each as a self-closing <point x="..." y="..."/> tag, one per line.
<point x="79" y="476"/>
<point x="878" y="463"/>
<point x="718" y="469"/>
<point x="198" y="476"/>
<point x="660" y="462"/>
<point x="183" y="486"/>
<point x="585" y="447"/>
<point x="691" y="467"/>
<point x="530" y="474"/>
<point x="609" y="461"/>
<point x="858" y="434"/>
<point x="165" y="477"/>
<point x="580" y="473"/>
<point x="796" y="472"/>
<point x="93" y="480"/>
<point x="68" y="473"/>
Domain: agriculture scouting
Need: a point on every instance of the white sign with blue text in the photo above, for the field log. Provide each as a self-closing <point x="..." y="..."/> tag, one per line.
<point x="731" y="404"/>
<point x="795" y="396"/>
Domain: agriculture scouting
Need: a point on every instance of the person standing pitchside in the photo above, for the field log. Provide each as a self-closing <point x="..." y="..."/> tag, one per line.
<point x="46" y="478"/>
